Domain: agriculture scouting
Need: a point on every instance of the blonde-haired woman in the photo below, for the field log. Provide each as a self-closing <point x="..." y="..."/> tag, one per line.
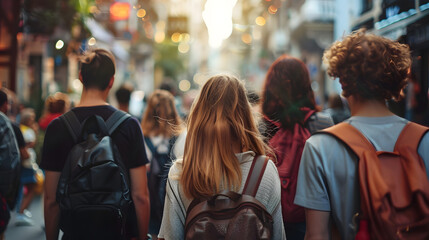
<point x="160" y="125"/>
<point x="221" y="143"/>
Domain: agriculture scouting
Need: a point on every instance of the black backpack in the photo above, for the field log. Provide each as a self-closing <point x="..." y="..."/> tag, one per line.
<point x="230" y="215"/>
<point x="10" y="162"/>
<point x="94" y="188"/>
<point x="157" y="179"/>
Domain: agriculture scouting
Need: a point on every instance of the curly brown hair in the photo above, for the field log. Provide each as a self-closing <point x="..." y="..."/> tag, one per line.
<point x="369" y="66"/>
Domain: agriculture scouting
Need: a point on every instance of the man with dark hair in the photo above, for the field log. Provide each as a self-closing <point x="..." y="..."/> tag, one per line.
<point x="123" y="96"/>
<point x="97" y="76"/>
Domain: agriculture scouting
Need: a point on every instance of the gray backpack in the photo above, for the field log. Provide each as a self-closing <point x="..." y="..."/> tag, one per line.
<point x="10" y="162"/>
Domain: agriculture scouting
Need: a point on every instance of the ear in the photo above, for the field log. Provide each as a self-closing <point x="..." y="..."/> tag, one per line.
<point x="112" y="79"/>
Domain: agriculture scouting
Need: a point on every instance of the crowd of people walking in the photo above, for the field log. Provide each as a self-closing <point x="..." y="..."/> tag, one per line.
<point x="287" y="169"/>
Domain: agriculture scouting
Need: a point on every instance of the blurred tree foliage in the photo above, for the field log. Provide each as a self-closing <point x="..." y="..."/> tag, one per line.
<point x="44" y="16"/>
<point x="167" y="58"/>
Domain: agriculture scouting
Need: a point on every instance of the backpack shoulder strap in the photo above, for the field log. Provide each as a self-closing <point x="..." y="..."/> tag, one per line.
<point x="351" y="137"/>
<point x="308" y="115"/>
<point x="150" y="146"/>
<point x="72" y="124"/>
<point x="410" y="137"/>
<point x="256" y="172"/>
<point x="115" y="120"/>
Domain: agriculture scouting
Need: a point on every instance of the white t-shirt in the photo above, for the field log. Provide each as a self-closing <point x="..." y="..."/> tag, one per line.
<point x="327" y="179"/>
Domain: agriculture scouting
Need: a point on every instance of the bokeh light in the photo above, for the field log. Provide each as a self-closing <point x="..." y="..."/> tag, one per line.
<point x="175" y="37"/>
<point x="159" y="37"/>
<point x="185" y="37"/>
<point x="141" y="13"/>
<point x="59" y="44"/>
<point x="199" y="78"/>
<point x="183" y="47"/>
<point x="217" y="16"/>
<point x="92" y="41"/>
<point x="160" y="25"/>
<point x="184" y="85"/>
<point x="272" y="9"/>
<point x="260" y="21"/>
<point x="119" y="11"/>
<point x="246" y="38"/>
<point x="77" y="85"/>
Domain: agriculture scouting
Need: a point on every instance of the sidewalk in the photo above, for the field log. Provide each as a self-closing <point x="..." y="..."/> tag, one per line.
<point x="35" y="232"/>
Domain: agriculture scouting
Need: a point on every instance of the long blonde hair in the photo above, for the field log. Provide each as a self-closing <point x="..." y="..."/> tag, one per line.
<point x="220" y="119"/>
<point x="161" y="117"/>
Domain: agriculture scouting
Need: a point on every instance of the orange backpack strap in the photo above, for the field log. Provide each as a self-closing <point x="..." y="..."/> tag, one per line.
<point x="358" y="143"/>
<point x="351" y="137"/>
<point x="410" y="138"/>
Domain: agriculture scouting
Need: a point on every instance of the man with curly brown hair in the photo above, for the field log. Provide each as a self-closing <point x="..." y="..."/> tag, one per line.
<point x="371" y="70"/>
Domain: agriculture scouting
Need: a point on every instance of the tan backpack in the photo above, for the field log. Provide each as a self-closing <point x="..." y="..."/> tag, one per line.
<point x="394" y="187"/>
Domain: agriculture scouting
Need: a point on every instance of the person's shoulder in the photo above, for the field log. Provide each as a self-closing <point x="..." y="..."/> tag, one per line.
<point x="319" y="121"/>
<point x="425" y="139"/>
<point x="55" y="123"/>
<point x="271" y="166"/>
<point x="132" y="126"/>
<point x="324" y="141"/>
<point x="3" y="118"/>
<point x="56" y="127"/>
<point x="176" y="170"/>
<point x="132" y="120"/>
<point x="271" y="174"/>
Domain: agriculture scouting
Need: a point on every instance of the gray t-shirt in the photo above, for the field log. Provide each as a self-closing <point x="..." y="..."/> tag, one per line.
<point x="327" y="179"/>
<point x="176" y="204"/>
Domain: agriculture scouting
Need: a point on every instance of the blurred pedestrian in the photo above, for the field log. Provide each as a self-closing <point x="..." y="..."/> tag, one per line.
<point x="29" y="167"/>
<point x="9" y="166"/>
<point x="55" y="105"/>
<point x="161" y="126"/>
<point x="292" y="115"/>
<point x="97" y="76"/>
<point x="337" y="108"/>
<point x="170" y="86"/>
<point x="22" y="219"/>
<point x="123" y="96"/>
<point x="371" y="70"/>
<point x="221" y="144"/>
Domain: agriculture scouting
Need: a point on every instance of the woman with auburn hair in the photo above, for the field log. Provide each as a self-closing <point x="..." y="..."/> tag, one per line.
<point x="160" y="127"/>
<point x="292" y="116"/>
<point x="221" y="143"/>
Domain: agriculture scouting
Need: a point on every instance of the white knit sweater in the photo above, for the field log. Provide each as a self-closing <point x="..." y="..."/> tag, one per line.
<point x="176" y="204"/>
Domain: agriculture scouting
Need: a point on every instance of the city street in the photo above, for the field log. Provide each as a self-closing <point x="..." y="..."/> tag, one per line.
<point x="99" y="98"/>
<point x="35" y="232"/>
